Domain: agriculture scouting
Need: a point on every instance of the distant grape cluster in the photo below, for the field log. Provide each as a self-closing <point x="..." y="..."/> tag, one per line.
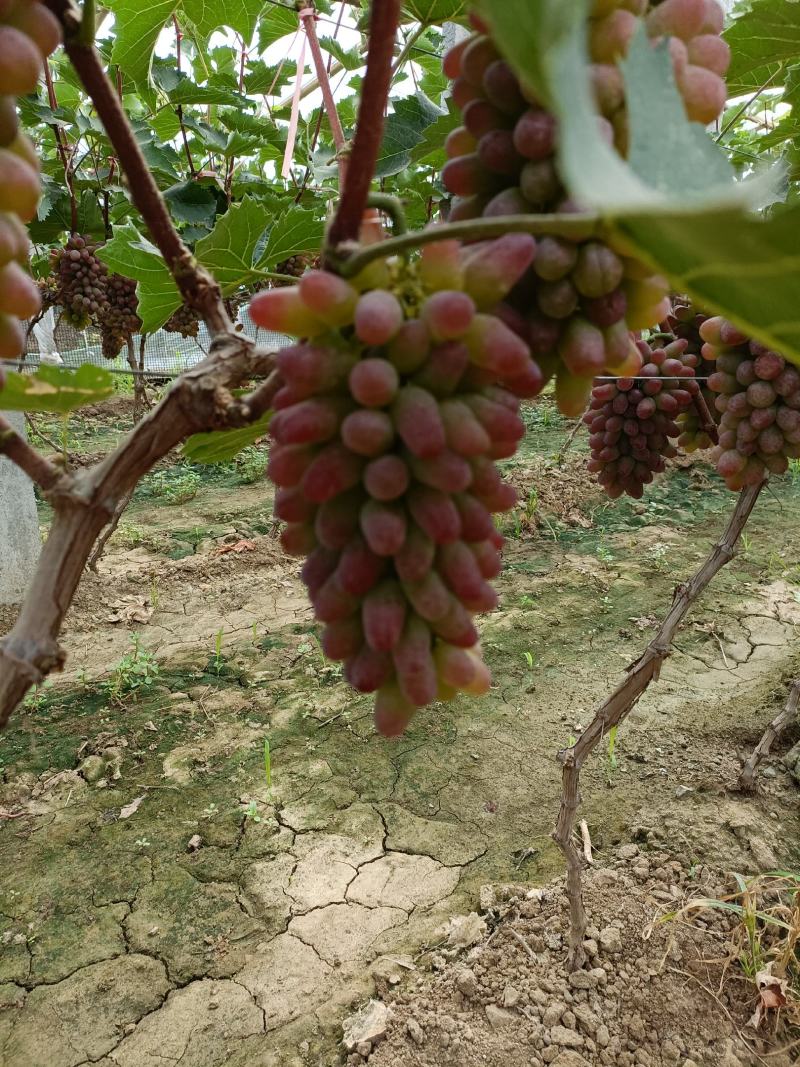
<point x="391" y="416"/>
<point x="28" y="34"/>
<point x="631" y="420"/>
<point x="759" y="399"/>
<point x="295" y="267"/>
<point x="82" y="281"/>
<point x="119" y="320"/>
<point x="578" y="304"/>
<point x="185" y="321"/>
<point x="684" y="322"/>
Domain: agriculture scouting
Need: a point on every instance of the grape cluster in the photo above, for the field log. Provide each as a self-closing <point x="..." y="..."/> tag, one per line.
<point x="631" y="420"/>
<point x="185" y="321"/>
<point x="28" y="34"/>
<point x="393" y="411"/>
<point x="82" y="282"/>
<point x="700" y="57"/>
<point x="759" y="399"/>
<point x="295" y="267"/>
<point x="684" y="322"/>
<point x="119" y="320"/>
<point x="580" y="301"/>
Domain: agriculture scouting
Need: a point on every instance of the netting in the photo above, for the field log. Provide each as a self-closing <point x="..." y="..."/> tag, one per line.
<point x="158" y="355"/>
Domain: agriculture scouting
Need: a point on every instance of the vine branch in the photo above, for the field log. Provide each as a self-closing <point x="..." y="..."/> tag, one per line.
<point x="747" y="778"/>
<point x="384" y="21"/>
<point x="350" y="262"/>
<point x="622" y="701"/>
<point x="14" y="446"/>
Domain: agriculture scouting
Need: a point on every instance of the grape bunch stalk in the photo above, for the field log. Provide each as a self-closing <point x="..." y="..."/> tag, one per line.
<point x="295" y="267"/>
<point x="394" y="408"/>
<point x="631" y="420"/>
<point x="581" y="299"/>
<point x="28" y="34"/>
<point x="82" y="281"/>
<point x="119" y="320"/>
<point x="759" y="399"/>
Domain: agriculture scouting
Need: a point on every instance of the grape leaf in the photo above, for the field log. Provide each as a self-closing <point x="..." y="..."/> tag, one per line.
<point x="433" y="11"/>
<point x="223" y="445"/>
<point x="192" y="202"/>
<point x="137" y="24"/>
<point x="763" y="40"/>
<point x="134" y="256"/>
<point x="298" y="231"/>
<point x="405" y="128"/>
<point x="229" y="251"/>
<point x="56" y="389"/>
<point x="659" y="130"/>
<point x="732" y="264"/>
<point x="277" y="22"/>
<point x="209" y="15"/>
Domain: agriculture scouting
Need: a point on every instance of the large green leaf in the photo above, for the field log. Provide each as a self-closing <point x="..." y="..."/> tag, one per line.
<point x="131" y="254"/>
<point x="763" y="40"/>
<point x="192" y="202"/>
<point x="223" y="445"/>
<point x="733" y="264"/>
<point x="659" y="130"/>
<point x="137" y="24"/>
<point x="405" y="129"/>
<point x="434" y="11"/>
<point x="229" y="251"/>
<point x="277" y="22"/>
<point x="209" y="15"/>
<point x="56" y="389"/>
<point x="297" y="232"/>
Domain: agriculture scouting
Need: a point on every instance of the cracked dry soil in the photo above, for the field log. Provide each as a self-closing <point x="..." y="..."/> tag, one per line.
<point x="122" y="945"/>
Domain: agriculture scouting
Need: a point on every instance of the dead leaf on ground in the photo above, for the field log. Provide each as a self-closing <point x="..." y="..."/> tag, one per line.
<point x="771" y="995"/>
<point x="132" y="808"/>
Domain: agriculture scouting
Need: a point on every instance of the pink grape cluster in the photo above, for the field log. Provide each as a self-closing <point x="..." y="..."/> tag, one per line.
<point x="631" y="420"/>
<point x="393" y="410"/>
<point x="759" y="399"/>
<point x="684" y="322"/>
<point x="580" y="301"/>
<point x="28" y="34"/>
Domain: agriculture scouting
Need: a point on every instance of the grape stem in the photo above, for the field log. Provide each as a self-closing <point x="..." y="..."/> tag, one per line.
<point x="384" y="21"/>
<point x="392" y="207"/>
<point x="621" y="702"/>
<point x="348" y="262"/>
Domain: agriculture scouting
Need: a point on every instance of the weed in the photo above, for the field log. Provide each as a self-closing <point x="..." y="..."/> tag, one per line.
<point x="251" y="811"/>
<point x="658" y="556"/>
<point x="613" y="763"/>
<point x="219" y="659"/>
<point x="135" y="672"/>
<point x="129" y="536"/>
<point x="794" y="470"/>
<point x="268" y="763"/>
<point x="35" y="700"/>
<point x="154" y="594"/>
<point x="604" y="554"/>
<point x="529" y="659"/>
<point x="251" y="466"/>
<point x="178" y="485"/>
<point x="747" y="545"/>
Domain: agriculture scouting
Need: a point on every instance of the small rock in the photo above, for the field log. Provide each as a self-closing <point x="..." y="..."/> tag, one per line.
<point x="582" y="980"/>
<point x="464" y="931"/>
<point x="93" y="768"/>
<point x="590" y="947"/>
<point x="569" y="1059"/>
<point x="560" y="1035"/>
<point x="129" y="1028"/>
<point x="553" y="1013"/>
<point x="611" y="940"/>
<point x="499" y="1018"/>
<point x="365" y="1027"/>
<point x="769" y="772"/>
<point x="363" y="1048"/>
<point x="511" y="996"/>
<point x="195" y="841"/>
<point x="683" y="791"/>
<point x="415" y="1032"/>
<point x="467" y="984"/>
<point x="628" y="852"/>
<point x="763" y="854"/>
<point x="602" y="1037"/>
